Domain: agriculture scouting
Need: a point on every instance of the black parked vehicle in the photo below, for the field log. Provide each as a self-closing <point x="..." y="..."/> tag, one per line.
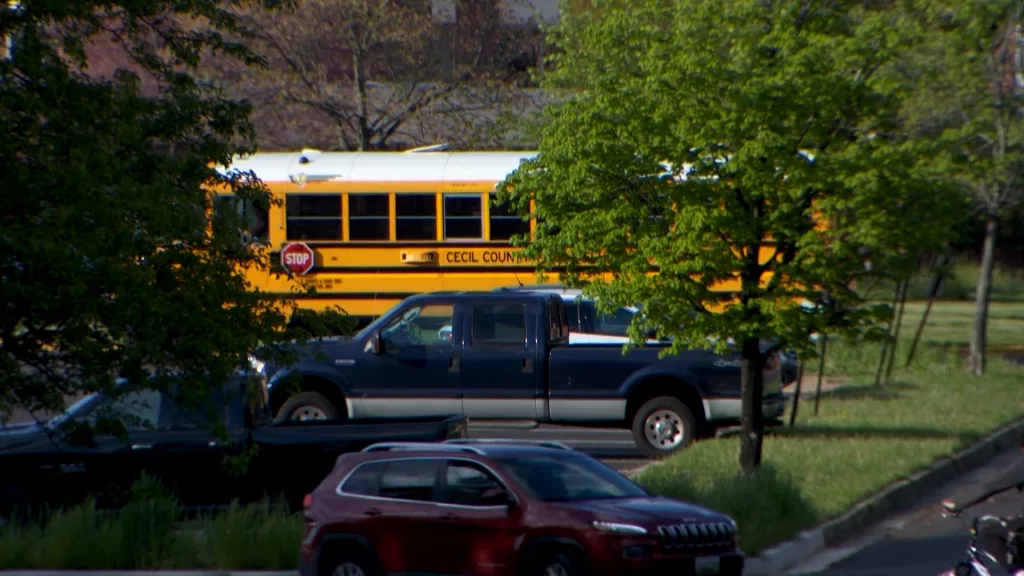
<point x="41" y="465"/>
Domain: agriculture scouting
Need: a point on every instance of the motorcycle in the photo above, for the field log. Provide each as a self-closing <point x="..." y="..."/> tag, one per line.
<point x="980" y="562"/>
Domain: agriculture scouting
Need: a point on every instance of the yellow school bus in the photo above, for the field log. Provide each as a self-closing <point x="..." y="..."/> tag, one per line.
<point x="369" y="229"/>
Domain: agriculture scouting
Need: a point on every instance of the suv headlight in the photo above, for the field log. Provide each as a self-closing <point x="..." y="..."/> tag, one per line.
<point x="619" y="528"/>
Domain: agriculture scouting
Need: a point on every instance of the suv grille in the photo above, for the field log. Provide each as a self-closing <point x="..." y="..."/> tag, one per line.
<point x="701" y="535"/>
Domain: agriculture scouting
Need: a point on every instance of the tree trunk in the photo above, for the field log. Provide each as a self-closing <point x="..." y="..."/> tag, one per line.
<point x="363" y="119"/>
<point x="979" y="328"/>
<point x="751" y="391"/>
<point x="933" y="293"/>
<point x="821" y="371"/>
<point x="895" y="346"/>
<point x="796" y="394"/>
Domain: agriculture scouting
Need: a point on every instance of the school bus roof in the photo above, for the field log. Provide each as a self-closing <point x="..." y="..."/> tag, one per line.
<point x="316" y="166"/>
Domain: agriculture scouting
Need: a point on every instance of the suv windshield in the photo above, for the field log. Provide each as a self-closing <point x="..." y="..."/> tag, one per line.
<point x="569" y="478"/>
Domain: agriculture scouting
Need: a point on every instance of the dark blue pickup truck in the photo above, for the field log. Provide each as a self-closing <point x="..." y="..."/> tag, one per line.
<point x="505" y="356"/>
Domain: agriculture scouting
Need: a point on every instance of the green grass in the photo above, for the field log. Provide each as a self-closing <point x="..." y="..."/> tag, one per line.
<point x="946" y="336"/>
<point x="863" y="439"/>
<point x="1007" y="285"/>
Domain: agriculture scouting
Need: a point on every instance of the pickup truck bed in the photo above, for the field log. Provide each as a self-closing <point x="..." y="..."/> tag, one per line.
<point x="39" y="465"/>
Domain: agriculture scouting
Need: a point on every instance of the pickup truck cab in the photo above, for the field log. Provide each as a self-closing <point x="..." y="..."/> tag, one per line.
<point x="41" y="464"/>
<point x="507" y="358"/>
<point x="588" y="325"/>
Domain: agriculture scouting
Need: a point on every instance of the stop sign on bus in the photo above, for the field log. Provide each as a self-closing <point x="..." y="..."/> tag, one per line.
<point x="297" y="257"/>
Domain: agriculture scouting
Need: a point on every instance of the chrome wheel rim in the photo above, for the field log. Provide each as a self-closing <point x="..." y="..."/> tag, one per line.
<point x="664" y="429"/>
<point x="348" y="569"/>
<point x="308" y="413"/>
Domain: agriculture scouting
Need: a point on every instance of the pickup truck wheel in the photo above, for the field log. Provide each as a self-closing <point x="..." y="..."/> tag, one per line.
<point x="308" y="406"/>
<point x="662" y="426"/>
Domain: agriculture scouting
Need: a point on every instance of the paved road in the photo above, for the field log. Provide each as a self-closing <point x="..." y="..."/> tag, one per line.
<point x="921" y="542"/>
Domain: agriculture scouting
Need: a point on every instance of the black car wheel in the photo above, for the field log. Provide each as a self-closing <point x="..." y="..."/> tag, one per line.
<point x="308" y="406"/>
<point x="662" y="426"/>
<point x="353" y="562"/>
<point x="557" y="564"/>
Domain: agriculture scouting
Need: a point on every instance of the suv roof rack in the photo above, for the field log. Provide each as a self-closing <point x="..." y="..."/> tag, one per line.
<point x="540" y="443"/>
<point x="531" y="288"/>
<point x="420" y="446"/>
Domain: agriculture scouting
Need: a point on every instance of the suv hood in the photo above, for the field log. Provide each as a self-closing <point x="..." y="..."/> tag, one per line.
<point x="655" y="509"/>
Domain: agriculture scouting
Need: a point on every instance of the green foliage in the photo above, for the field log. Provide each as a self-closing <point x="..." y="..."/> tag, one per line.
<point x="107" y="269"/>
<point x="978" y="115"/>
<point x="696" y="133"/>
<point x="146" y="534"/>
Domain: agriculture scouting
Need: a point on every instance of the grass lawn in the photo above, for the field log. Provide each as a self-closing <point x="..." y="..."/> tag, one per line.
<point x="863" y="439"/>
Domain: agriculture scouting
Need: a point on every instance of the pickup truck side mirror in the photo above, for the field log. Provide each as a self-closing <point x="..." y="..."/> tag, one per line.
<point x="376" y="344"/>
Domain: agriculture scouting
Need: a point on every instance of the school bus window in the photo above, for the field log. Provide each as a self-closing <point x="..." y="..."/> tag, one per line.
<point x="313" y="217"/>
<point x="368" y="216"/>
<point x="252" y="217"/>
<point x="463" y="217"/>
<point x="415" y="217"/>
<point x="504" y="223"/>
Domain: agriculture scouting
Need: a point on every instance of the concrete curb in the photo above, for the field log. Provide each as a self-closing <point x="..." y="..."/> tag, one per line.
<point x="894" y="498"/>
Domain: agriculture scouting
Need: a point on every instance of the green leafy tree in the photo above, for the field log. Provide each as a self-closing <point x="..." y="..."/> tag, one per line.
<point x="698" y="133"/>
<point x="107" y="269"/>
<point x="969" y="96"/>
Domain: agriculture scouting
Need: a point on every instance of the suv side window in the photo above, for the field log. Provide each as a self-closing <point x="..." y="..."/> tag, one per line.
<point x="615" y="324"/>
<point x="364" y="480"/>
<point x="413" y="479"/>
<point x="469" y="484"/>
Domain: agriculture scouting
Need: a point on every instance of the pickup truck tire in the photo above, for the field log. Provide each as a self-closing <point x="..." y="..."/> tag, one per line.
<point x="308" y="406"/>
<point x="663" y="425"/>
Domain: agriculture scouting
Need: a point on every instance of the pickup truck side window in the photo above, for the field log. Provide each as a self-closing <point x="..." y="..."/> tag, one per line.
<point x="559" y="322"/>
<point x="429" y="325"/>
<point x="469" y="484"/>
<point x="364" y="480"/>
<point x="499" y="324"/>
<point x="137" y="410"/>
<point x="413" y="479"/>
<point x="181" y="415"/>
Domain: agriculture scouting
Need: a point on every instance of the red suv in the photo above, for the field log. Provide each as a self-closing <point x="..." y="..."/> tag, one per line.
<point x="502" y="508"/>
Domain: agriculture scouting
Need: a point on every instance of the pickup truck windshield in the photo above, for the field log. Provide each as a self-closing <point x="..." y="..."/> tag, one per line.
<point x="567" y="479"/>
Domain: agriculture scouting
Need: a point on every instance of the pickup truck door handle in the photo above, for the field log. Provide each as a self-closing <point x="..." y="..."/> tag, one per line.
<point x="453" y="363"/>
<point x="448" y="516"/>
<point x="372" y="512"/>
<point x="141" y="446"/>
<point x="527" y="365"/>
